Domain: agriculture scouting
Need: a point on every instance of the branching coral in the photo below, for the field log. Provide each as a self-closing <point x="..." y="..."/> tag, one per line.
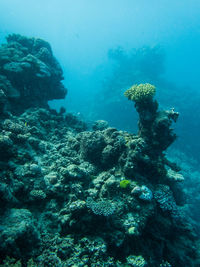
<point x="141" y="92"/>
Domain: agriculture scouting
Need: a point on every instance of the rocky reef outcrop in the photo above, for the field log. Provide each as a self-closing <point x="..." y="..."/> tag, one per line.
<point x="29" y="74"/>
<point x="74" y="196"/>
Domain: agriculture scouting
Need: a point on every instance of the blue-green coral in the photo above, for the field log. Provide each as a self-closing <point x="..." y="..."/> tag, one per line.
<point x="141" y="92"/>
<point x="101" y="207"/>
<point x="136" y="261"/>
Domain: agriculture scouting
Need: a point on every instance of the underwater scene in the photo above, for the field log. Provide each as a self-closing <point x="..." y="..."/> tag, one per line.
<point x="99" y="133"/>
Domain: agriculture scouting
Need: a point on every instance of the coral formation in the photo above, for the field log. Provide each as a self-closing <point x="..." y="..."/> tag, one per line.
<point x="124" y="183"/>
<point x="102" y="207"/>
<point x="154" y="125"/>
<point x="29" y="74"/>
<point x="147" y="64"/>
<point x="61" y="193"/>
<point x="140" y="93"/>
<point x="143" y="193"/>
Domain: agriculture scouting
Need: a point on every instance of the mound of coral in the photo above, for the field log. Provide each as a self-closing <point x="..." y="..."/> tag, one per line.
<point x="75" y="196"/>
<point x="29" y="74"/>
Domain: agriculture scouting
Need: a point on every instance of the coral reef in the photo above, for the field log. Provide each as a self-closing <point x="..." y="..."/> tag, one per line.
<point x="63" y="199"/>
<point x="154" y="125"/>
<point x="146" y="65"/>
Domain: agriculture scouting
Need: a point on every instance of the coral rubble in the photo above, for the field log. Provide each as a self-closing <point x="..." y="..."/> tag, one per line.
<point x="71" y="196"/>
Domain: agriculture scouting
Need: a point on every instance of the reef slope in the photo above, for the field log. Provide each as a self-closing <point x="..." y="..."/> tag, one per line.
<point x="74" y="196"/>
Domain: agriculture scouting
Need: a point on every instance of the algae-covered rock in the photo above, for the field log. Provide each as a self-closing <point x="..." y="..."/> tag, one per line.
<point x="19" y="236"/>
<point x="100" y="125"/>
<point x="30" y="76"/>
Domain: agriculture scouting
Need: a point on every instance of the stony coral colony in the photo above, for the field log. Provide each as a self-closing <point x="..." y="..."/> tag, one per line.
<point x="75" y="196"/>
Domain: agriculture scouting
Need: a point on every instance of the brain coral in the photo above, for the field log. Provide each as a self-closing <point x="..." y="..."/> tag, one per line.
<point x="141" y="92"/>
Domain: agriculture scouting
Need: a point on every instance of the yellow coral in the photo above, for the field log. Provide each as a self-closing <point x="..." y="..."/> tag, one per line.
<point x="141" y="92"/>
<point x="124" y="183"/>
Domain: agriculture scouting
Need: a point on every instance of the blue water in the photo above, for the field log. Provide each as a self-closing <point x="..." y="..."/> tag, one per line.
<point x="81" y="34"/>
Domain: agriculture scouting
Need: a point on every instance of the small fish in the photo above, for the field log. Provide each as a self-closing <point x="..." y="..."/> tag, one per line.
<point x="26" y="124"/>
